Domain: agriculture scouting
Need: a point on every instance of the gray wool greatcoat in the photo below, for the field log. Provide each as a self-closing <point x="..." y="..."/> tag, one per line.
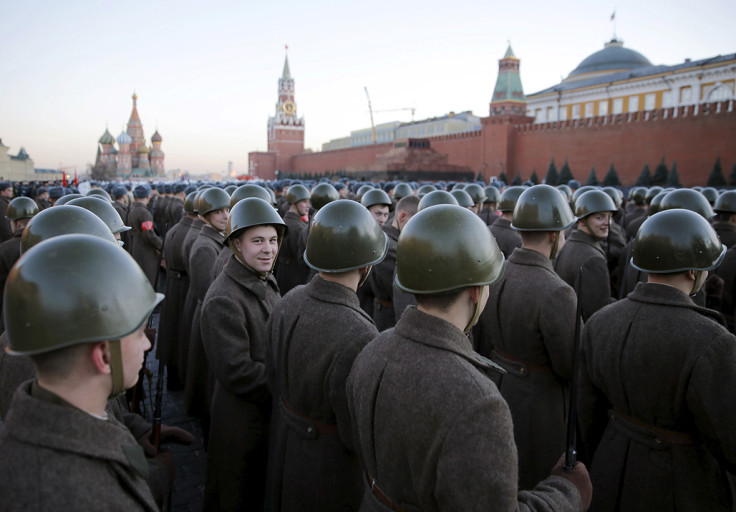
<point x="726" y="233"/>
<point x="489" y="216"/>
<point x="190" y="302"/>
<point x="6" y="233"/>
<point x="177" y="284"/>
<point x="123" y="212"/>
<point x="507" y="239"/>
<point x="315" y="334"/>
<point x="233" y="323"/>
<point x="289" y="272"/>
<point x="199" y="381"/>
<point x="145" y="244"/>
<point x="433" y="430"/>
<point x="582" y="250"/>
<point x="57" y="457"/>
<point x="530" y="317"/>
<point x="381" y="281"/>
<point x="659" y="359"/>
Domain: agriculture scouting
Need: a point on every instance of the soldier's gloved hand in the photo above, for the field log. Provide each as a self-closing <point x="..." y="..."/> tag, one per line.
<point x="168" y="435"/>
<point x="579" y="477"/>
<point x="166" y="458"/>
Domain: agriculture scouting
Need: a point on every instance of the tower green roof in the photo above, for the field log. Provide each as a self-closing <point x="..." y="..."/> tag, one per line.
<point x="508" y="84"/>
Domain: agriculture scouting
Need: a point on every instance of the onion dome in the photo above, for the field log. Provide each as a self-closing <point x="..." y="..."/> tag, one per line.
<point x="124" y="138"/>
<point x="156" y="137"/>
<point x="106" y="138"/>
<point x="143" y="149"/>
<point x="612" y="58"/>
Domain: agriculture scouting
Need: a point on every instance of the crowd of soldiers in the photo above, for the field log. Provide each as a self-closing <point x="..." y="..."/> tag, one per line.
<point x="372" y="346"/>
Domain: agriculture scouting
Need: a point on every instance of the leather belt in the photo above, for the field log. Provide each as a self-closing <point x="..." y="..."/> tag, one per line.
<point x="523" y="366"/>
<point x="381" y="496"/>
<point x="385" y="303"/>
<point x="659" y="434"/>
<point x="325" y="429"/>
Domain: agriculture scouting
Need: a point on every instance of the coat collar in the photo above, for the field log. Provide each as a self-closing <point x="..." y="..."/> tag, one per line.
<point x="391" y="231"/>
<point x="334" y="293"/>
<point x="661" y="294"/>
<point x="522" y="256"/>
<point x="502" y="223"/>
<point x="248" y="279"/>
<point x="581" y="237"/>
<point x="209" y="232"/>
<point x="435" y="332"/>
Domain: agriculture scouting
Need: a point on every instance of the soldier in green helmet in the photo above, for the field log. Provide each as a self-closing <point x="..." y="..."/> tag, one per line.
<point x="233" y="323"/>
<point x="19" y="213"/>
<point x="86" y="346"/>
<point x="433" y="431"/>
<point x="583" y="250"/>
<point x="490" y="206"/>
<point x="528" y="328"/>
<point x="145" y="243"/>
<point x="289" y="271"/>
<point x="315" y="333"/>
<point x="725" y="221"/>
<point x="213" y="209"/>
<point x="508" y="239"/>
<point x="655" y="410"/>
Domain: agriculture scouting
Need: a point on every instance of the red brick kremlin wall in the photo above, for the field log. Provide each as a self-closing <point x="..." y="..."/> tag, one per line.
<point x="693" y="136"/>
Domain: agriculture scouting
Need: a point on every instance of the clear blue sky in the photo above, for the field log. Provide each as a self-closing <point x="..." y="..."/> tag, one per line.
<point x="206" y="72"/>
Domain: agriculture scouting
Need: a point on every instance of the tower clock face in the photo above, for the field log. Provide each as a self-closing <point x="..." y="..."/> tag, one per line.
<point x="289" y="107"/>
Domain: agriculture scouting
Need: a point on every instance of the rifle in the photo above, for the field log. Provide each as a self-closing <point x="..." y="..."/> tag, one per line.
<point x="572" y="420"/>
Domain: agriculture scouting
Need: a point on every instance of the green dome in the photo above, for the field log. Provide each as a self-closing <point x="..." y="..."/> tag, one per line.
<point x="106" y="138"/>
<point x="614" y="57"/>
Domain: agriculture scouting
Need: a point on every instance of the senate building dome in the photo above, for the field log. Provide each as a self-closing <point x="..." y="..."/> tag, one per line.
<point x="611" y="59"/>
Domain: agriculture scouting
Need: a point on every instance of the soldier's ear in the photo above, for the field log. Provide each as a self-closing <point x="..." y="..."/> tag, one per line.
<point x="100" y="356"/>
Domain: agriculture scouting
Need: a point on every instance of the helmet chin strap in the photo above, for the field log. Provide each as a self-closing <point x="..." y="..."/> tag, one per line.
<point x="116" y="368"/>
<point x="477" y="312"/>
<point x="699" y="278"/>
<point x="364" y="277"/>
<point x="553" y="253"/>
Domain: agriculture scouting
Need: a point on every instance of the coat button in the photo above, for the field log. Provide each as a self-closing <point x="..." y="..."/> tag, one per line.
<point x="522" y="370"/>
<point x="309" y="429"/>
<point x="657" y="440"/>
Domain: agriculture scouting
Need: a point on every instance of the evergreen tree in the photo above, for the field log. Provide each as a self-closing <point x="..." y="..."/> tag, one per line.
<point x="660" y="174"/>
<point x="732" y="177"/>
<point x="551" y="177"/>
<point x="502" y="177"/>
<point x="611" y="179"/>
<point x="673" y="180"/>
<point x="716" y="178"/>
<point x="517" y="180"/>
<point x="480" y="177"/>
<point x="565" y="175"/>
<point x="592" y="179"/>
<point x="645" y="177"/>
<point x="533" y="178"/>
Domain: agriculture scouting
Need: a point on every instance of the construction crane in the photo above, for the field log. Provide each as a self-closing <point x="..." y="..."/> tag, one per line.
<point x="370" y="109"/>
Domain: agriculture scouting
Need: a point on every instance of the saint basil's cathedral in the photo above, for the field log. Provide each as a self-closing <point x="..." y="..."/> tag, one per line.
<point x="132" y="158"/>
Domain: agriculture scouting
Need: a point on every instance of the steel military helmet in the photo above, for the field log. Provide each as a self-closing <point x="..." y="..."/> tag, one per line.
<point x="462" y="197"/>
<point x="63" y="220"/>
<point x="582" y="190"/>
<point x="21" y="208"/>
<point x="344" y="236"/>
<point x="66" y="198"/>
<point x="726" y="202"/>
<point x="446" y="248"/>
<point x="593" y="201"/>
<point x="566" y="191"/>
<point x="614" y="195"/>
<point x="213" y="199"/>
<point x="402" y="190"/>
<point x="509" y="198"/>
<point x="426" y="189"/>
<point x="654" y="206"/>
<point x="687" y="199"/>
<point x="375" y="196"/>
<point x="230" y="189"/>
<point x="189" y="203"/>
<point x="322" y="194"/>
<point x="436" y="197"/>
<point x="297" y="193"/>
<point x="249" y="190"/>
<point x="103" y="210"/>
<point x="676" y="240"/>
<point x="493" y="195"/>
<point x="542" y="208"/>
<point x="98" y="192"/>
<point x="638" y="195"/>
<point x="476" y="192"/>
<point x="711" y="194"/>
<point x="75" y="289"/>
<point x="651" y="194"/>
<point x="253" y="211"/>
